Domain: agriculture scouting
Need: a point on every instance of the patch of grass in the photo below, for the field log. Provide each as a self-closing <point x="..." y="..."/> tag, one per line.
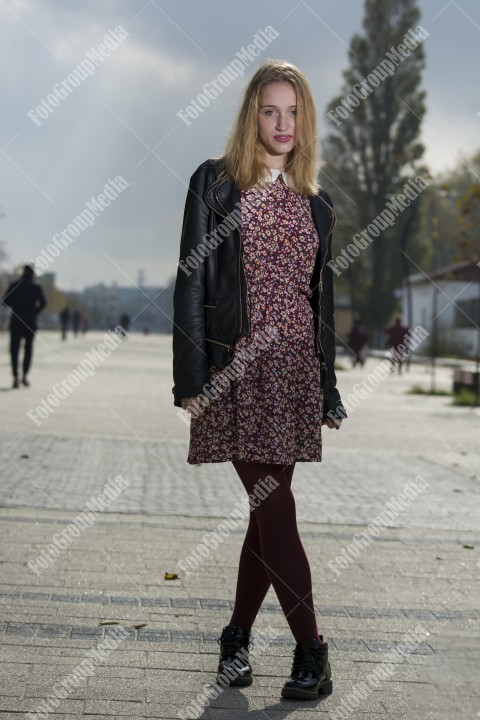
<point x="465" y="397"/>
<point x="420" y="390"/>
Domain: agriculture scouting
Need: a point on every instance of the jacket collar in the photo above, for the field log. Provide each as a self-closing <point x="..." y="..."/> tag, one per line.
<point x="223" y="196"/>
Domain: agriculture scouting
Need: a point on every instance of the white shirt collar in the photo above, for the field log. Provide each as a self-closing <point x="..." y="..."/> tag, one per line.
<point x="274" y="173"/>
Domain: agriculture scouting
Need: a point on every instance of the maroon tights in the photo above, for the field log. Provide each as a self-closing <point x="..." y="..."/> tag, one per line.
<point x="273" y="553"/>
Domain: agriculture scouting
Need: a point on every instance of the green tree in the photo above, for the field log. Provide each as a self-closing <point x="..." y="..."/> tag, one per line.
<point x="373" y="150"/>
<point x="469" y="224"/>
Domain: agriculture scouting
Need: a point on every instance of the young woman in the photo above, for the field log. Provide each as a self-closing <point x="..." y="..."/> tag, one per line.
<point x="254" y="347"/>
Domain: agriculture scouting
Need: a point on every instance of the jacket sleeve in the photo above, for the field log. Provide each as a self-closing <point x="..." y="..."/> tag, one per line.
<point x="332" y="403"/>
<point x="190" y="361"/>
<point x="7" y="299"/>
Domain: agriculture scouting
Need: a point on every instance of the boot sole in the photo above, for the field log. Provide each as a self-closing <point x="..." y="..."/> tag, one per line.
<point x="240" y="681"/>
<point x="325" y="688"/>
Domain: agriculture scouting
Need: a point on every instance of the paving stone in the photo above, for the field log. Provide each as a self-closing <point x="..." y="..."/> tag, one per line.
<point x="391" y="613"/>
<point x="36" y="596"/>
<point x="81" y="632"/>
<point x="66" y="598"/>
<point x="361" y="612"/>
<point x="332" y="611"/>
<point x="96" y="599"/>
<point x="155" y="602"/>
<point x="185" y="602"/>
<point x="153" y="635"/>
<point x="21" y="629"/>
<point x="121" y="600"/>
<point x="355" y="645"/>
<point x="53" y="631"/>
<point x="169" y="506"/>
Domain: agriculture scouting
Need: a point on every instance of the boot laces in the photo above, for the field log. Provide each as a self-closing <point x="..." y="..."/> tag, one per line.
<point x="230" y="644"/>
<point x="304" y="660"/>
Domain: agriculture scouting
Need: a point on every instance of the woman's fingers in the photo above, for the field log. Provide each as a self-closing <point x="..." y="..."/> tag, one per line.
<point x="193" y="405"/>
<point x="332" y="423"/>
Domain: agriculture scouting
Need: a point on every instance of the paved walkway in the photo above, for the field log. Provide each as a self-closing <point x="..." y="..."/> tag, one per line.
<point x="397" y="603"/>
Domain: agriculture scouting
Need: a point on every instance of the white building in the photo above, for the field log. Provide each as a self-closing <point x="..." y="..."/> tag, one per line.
<point x="452" y="294"/>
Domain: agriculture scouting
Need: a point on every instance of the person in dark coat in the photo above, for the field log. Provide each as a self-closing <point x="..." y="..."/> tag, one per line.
<point x="396" y="336"/>
<point x="357" y="339"/>
<point x="64" y="321"/>
<point x="26" y="299"/>
<point x="77" y="321"/>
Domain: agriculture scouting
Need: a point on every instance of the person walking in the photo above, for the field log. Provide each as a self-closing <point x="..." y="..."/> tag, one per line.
<point x="396" y="336"/>
<point x="64" y="317"/>
<point x="26" y="299"/>
<point x="254" y="348"/>
<point x="76" y="322"/>
<point x="357" y="340"/>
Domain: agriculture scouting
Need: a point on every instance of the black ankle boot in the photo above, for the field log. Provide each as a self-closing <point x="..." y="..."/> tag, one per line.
<point x="234" y="662"/>
<point x="311" y="674"/>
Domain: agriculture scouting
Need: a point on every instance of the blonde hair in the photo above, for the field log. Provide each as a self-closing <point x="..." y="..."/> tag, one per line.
<point x="244" y="153"/>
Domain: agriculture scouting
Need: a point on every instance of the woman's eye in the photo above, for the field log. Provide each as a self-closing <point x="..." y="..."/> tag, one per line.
<point x="266" y="112"/>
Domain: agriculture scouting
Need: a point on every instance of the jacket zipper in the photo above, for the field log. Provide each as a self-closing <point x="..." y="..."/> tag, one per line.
<point x="334" y="220"/>
<point x="218" y="342"/>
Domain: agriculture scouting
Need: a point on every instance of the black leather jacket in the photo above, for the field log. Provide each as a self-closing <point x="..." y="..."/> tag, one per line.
<point x="210" y="296"/>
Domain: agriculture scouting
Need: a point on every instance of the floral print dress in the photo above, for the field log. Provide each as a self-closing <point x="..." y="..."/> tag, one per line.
<point x="271" y="410"/>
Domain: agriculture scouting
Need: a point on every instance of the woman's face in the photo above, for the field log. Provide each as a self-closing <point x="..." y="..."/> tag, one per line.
<point x="276" y="121"/>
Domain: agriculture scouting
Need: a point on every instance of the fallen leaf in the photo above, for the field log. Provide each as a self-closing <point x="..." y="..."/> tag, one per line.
<point x="171" y="576"/>
<point x="468" y="547"/>
<point x="108" y="622"/>
<point x="140" y="625"/>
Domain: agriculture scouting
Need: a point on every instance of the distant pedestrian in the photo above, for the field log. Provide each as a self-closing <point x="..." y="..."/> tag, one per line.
<point x="26" y="299"/>
<point x="76" y="321"/>
<point x="357" y="340"/>
<point x="396" y="337"/>
<point x="64" y="321"/>
<point x="125" y="321"/>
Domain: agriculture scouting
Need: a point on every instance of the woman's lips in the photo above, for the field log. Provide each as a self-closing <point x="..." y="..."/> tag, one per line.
<point x="283" y="138"/>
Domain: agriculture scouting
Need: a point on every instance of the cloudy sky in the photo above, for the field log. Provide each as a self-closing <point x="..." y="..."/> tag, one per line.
<point x="123" y="119"/>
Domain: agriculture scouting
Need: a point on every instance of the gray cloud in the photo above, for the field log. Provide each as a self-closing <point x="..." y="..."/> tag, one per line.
<point x="123" y="120"/>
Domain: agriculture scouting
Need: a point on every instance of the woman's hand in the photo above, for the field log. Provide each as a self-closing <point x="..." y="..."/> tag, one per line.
<point x="193" y="405"/>
<point x="331" y="423"/>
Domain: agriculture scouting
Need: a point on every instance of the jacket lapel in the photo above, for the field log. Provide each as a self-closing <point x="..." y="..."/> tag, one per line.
<point x="322" y="222"/>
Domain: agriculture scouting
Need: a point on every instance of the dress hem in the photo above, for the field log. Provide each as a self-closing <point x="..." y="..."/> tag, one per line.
<point x="270" y="462"/>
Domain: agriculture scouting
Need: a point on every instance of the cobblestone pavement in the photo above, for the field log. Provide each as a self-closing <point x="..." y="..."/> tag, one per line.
<point x="420" y="572"/>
